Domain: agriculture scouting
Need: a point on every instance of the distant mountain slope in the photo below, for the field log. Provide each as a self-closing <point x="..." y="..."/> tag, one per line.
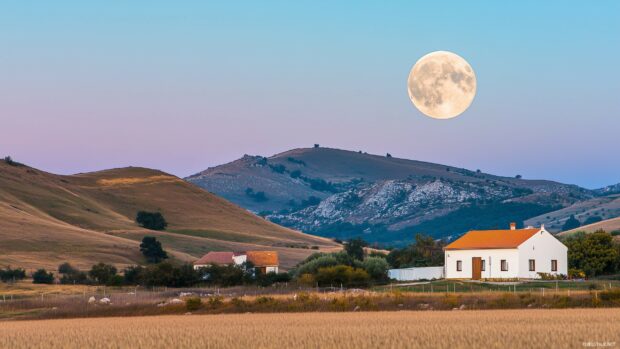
<point x="340" y="193"/>
<point x="599" y="208"/>
<point x="46" y="219"/>
<point x="608" y="225"/>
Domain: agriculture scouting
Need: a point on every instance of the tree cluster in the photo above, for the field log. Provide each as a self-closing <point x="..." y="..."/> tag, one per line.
<point x="423" y="252"/>
<point x="350" y="267"/>
<point x="593" y="254"/>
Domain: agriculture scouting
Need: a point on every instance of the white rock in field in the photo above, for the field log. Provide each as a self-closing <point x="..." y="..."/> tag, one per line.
<point x="163" y="304"/>
<point x="185" y="294"/>
<point x="105" y="300"/>
<point x="92" y="299"/>
<point x="176" y="301"/>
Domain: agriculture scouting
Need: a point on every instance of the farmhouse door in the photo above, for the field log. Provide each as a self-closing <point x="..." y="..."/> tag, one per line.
<point x="476" y="268"/>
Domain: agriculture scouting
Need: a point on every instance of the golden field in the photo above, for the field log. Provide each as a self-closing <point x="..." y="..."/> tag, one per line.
<point x="567" y="328"/>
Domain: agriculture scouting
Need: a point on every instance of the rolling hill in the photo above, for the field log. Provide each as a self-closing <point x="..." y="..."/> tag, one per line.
<point x="608" y="225"/>
<point x="46" y="219"/>
<point x="339" y="193"/>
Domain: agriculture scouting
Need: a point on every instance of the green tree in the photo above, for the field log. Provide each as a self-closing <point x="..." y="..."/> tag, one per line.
<point x="41" y="276"/>
<point x="102" y="273"/>
<point x="355" y="248"/>
<point x="151" y="220"/>
<point x="152" y="250"/>
<point x="594" y="253"/>
<point x="571" y="223"/>
<point x="424" y="251"/>
<point x="376" y="267"/>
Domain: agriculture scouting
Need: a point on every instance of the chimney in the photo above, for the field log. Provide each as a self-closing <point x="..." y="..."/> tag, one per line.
<point x="513" y="226"/>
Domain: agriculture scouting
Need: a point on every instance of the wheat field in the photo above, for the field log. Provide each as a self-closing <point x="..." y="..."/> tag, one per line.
<point x="572" y="328"/>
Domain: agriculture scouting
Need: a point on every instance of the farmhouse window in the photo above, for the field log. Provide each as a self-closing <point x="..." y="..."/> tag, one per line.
<point x="459" y="266"/>
<point x="532" y="265"/>
<point x="504" y="265"/>
<point x="554" y="265"/>
<point x="482" y="265"/>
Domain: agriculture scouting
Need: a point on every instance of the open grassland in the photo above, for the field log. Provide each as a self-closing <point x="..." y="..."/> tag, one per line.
<point x="47" y="219"/>
<point x="26" y="301"/>
<point x="472" y="329"/>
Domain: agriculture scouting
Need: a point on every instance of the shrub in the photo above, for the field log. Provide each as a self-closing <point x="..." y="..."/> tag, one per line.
<point x="342" y="275"/>
<point x="9" y="161"/>
<point x="12" y="275"/>
<point x="66" y="268"/>
<point x="193" y="303"/>
<point x="133" y="275"/>
<point x="41" y="276"/>
<point x="574" y="273"/>
<point x="152" y="250"/>
<point x="151" y="220"/>
<point x="77" y="277"/>
<point x="279" y="168"/>
<point x="215" y="301"/>
<point x="257" y="196"/>
<point x="592" y="220"/>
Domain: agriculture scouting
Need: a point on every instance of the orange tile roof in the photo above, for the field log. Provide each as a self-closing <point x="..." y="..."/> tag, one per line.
<point x="263" y="258"/>
<point x="215" y="258"/>
<point x="488" y="239"/>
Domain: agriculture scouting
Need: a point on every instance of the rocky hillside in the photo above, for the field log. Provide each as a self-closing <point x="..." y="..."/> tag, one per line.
<point x="340" y="193"/>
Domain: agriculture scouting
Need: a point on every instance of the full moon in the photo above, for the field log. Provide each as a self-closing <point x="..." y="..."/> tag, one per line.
<point x="442" y="85"/>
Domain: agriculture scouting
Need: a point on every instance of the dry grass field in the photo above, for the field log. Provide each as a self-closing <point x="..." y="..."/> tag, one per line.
<point x="567" y="328"/>
<point x="46" y="219"/>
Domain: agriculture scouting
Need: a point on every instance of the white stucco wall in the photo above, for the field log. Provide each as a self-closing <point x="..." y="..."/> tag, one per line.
<point x="240" y="259"/>
<point x="542" y="247"/>
<point x="419" y="273"/>
<point x="271" y="269"/>
<point x="492" y="258"/>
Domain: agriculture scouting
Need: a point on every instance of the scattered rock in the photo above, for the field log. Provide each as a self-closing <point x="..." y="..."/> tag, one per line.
<point x="455" y="308"/>
<point x="188" y="313"/>
<point x="424" y="306"/>
<point x="176" y="301"/>
<point x="105" y="300"/>
<point x="162" y="304"/>
<point x="185" y="294"/>
<point x="92" y="299"/>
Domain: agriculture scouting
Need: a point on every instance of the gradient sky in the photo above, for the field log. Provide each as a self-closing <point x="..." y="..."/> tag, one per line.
<point x="181" y="86"/>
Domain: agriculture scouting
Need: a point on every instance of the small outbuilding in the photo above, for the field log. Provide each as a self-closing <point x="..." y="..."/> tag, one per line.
<point x="505" y="254"/>
<point x="220" y="258"/>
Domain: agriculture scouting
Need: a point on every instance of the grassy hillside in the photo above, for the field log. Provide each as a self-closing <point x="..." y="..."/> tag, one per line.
<point x="46" y="219"/>
<point x="603" y="207"/>
<point x="608" y="225"/>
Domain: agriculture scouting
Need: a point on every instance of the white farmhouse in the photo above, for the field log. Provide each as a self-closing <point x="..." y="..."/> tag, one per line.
<point x="505" y="254"/>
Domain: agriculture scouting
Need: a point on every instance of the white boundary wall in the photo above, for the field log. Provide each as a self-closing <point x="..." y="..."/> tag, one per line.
<point x="412" y="274"/>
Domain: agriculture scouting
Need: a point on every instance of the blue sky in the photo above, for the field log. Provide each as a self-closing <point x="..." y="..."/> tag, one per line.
<point x="181" y="86"/>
